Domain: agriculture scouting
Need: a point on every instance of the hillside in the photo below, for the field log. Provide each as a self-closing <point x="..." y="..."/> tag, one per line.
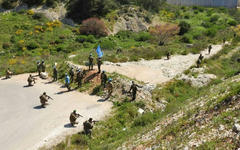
<point x="185" y="107"/>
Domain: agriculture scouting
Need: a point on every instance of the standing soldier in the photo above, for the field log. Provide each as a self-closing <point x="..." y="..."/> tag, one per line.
<point x="134" y="88"/>
<point x="38" y="67"/>
<point x="168" y="55"/>
<point x="90" y="60"/>
<point x="43" y="67"/>
<point x="198" y="63"/>
<point x="55" y="73"/>
<point x="87" y="126"/>
<point x="71" y="73"/>
<point x="99" y="63"/>
<point x="73" y="117"/>
<point x="79" y="78"/>
<point x="201" y="57"/>
<point x="103" y="79"/>
<point x="44" y="99"/>
<point x="8" y="73"/>
<point x="67" y="82"/>
<point x="31" y="80"/>
<point x="224" y="40"/>
<point x="209" y="49"/>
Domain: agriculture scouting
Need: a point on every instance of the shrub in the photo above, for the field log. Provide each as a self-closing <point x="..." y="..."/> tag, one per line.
<point x="93" y="26"/>
<point x="32" y="45"/>
<point x="108" y="44"/>
<point x="84" y="38"/>
<point x="144" y="120"/>
<point x="33" y="2"/>
<point x="9" y="4"/>
<point x="164" y="31"/>
<point x="187" y="39"/>
<point x="184" y="27"/>
<point x="6" y="45"/>
<point x="206" y="24"/>
<point x="38" y="16"/>
<point x="143" y="36"/>
<point x="211" y="32"/>
<point x="214" y="18"/>
<point x="125" y="34"/>
<point x="232" y="22"/>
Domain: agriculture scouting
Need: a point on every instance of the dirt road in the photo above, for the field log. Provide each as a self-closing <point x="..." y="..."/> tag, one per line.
<point x="26" y="126"/>
<point x="157" y="71"/>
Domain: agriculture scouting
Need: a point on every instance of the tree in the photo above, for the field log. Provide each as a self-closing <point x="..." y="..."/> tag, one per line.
<point x="184" y="27"/>
<point x="93" y="26"/>
<point x="164" y="31"/>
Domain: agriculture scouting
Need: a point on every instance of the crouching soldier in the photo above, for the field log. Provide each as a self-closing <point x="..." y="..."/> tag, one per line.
<point x="87" y="126"/>
<point x="44" y="99"/>
<point x="9" y="73"/>
<point x="73" y="117"/>
<point x="31" y="80"/>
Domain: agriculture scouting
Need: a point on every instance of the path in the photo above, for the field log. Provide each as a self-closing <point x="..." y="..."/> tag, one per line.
<point x="158" y="71"/>
<point x="25" y="126"/>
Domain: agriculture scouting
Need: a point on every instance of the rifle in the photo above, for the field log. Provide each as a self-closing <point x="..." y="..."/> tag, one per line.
<point x="95" y="121"/>
<point x="50" y="98"/>
<point x="78" y="115"/>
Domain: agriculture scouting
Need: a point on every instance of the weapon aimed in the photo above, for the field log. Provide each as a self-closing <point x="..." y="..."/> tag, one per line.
<point x="50" y="98"/>
<point x="95" y="121"/>
<point x="78" y="115"/>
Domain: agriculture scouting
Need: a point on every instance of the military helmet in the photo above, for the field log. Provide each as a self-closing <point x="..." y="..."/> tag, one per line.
<point x="103" y="71"/>
<point x="74" y="111"/>
<point x="44" y="93"/>
<point x="110" y="80"/>
<point x="90" y="119"/>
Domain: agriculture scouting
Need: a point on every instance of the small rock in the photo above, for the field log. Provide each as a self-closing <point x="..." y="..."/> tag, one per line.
<point x="140" y="110"/>
<point x="221" y="127"/>
<point x="236" y="128"/>
<point x="71" y="56"/>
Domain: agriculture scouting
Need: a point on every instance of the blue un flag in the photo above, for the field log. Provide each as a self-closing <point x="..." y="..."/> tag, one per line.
<point x="99" y="52"/>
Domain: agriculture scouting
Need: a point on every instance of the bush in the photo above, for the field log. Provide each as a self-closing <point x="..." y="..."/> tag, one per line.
<point x="143" y="36"/>
<point x="145" y="119"/>
<point x="125" y="35"/>
<point x="211" y="32"/>
<point x="38" y="16"/>
<point x="9" y="4"/>
<point x="108" y="44"/>
<point x="32" y="45"/>
<point x="84" y="38"/>
<point x="93" y="26"/>
<point x="214" y="18"/>
<point x="33" y="2"/>
<point x="184" y="27"/>
<point x="232" y="22"/>
<point x="187" y="39"/>
<point x="6" y="46"/>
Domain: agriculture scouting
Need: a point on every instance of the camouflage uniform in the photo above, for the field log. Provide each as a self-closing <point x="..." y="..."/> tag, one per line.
<point x="134" y="89"/>
<point x="168" y="55"/>
<point x="71" y="73"/>
<point x="43" y="99"/>
<point x="103" y="79"/>
<point x="73" y="118"/>
<point x="87" y="126"/>
<point x="31" y="80"/>
<point x="39" y="68"/>
<point x="8" y="73"/>
<point x="90" y="60"/>
<point x="43" y="67"/>
<point x="79" y="78"/>
<point x="109" y="89"/>
<point x="99" y="63"/>
<point x="55" y="74"/>
<point x="209" y="49"/>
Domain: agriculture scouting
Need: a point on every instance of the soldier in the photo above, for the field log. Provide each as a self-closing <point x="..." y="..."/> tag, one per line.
<point x="67" y="82"/>
<point x="71" y="73"/>
<point x="103" y="79"/>
<point x="90" y="60"/>
<point x="38" y="67"/>
<point x="168" y="55"/>
<point x="31" y="80"/>
<point x="224" y="40"/>
<point x="44" y="99"/>
<point x="55" y="73"/>
<point x="43" y="67"/>
<point x="73" y="117"/>
<point x="8" y="73"/>
<point x="201" y="57"/>
<point x="87" y="126"/>
<point x="109" y="88"/>
<point x="198" y="63"/>
<point x="134" y="88"/>
<point x="209" y="49"/>
<point x="99" y="63"/>
<point x="79" y="78"/>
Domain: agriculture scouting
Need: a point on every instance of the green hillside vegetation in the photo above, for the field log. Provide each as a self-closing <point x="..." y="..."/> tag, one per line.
<point x="27" y="37"/>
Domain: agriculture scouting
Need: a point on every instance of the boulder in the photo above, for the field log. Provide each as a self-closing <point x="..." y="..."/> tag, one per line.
<point x="44" y="75"/>
<point x="236" y="128"/>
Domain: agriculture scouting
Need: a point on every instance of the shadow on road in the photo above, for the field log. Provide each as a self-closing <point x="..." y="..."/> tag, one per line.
<point x="62" y="92"/>
<point x="38" y="107"/>
<point x="5" y="78"/>
<point x="49" y="82"/>
<point x="26" y="86"/>
<point x="69" y="126"/>
<point x="101" y="100"/>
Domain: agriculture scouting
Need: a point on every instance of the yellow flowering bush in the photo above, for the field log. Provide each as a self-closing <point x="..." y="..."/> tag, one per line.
<point x="18" y="32"/>
<point x="30" y="12"/>
<point x="12" y="61"/>
<point x="39" y="29"/>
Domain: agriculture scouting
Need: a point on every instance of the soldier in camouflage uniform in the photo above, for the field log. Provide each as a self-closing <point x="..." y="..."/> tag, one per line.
<point x="31" y="80"/>
<point x="99" y="63"/>
<point x="73" y="117"/>
<point x="134" y="88"/>
<point x="209" y="49"/>
<point x="55" y="73"/>
<point x="38" y="67"/>
<point x="44" y="99"/>
<point x="79" y="78"/>
<point x="90" y="61"/>
<point x="109" y="88"/>
<point x="71" y="73"/>
<point x="103" y="79"/>
<point x="42" y="66"/>
<point x="8" y="73"/>
<point x="87" y="126"/>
